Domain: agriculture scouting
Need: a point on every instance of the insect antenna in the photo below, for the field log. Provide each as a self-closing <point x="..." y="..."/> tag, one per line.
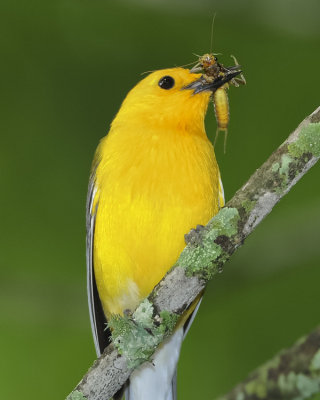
<point x="186" y="65"/>
<point x="179" y="66"/>
<point x="147" y="72"/>
<point x="211" y="36"/>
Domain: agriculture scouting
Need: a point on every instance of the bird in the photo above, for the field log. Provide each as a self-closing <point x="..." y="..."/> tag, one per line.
<point x="154" y="177"/>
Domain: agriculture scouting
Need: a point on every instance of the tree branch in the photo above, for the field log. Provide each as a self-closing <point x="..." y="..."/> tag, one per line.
<point x="292" y="374"/>
<point x="136" y="336"/>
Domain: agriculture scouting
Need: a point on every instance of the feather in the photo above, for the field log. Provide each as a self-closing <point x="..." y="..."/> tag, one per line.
<point x="97" y="318"/>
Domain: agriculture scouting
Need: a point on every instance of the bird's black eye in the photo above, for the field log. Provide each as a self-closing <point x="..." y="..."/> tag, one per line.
<point x="215" y="59"/>
<point x="166" y="82"/>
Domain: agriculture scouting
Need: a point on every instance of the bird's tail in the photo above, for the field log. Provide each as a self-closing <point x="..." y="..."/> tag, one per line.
<point x="157" y="380"/>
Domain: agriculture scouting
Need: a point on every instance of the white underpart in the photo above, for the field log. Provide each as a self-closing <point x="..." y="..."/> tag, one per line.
<point x="126" y="301"/>
<point x="153" y="381"/>
<point x="221" y="193"/>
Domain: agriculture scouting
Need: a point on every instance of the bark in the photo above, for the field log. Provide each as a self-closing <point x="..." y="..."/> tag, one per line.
<point x="292" y="374"/>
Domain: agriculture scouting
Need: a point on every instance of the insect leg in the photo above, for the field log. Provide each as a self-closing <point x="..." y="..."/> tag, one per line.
<point x="225" y="130"/>
<point x="241" y="79"/>
<point x="234" y="82"/>
<point x="196" y="68"/>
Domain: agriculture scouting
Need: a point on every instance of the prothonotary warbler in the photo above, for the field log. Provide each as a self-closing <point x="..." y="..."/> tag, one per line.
<point x="154" y="178"/>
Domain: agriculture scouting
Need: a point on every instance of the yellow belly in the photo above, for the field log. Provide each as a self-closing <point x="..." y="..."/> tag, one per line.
<point x="146" y="203"/>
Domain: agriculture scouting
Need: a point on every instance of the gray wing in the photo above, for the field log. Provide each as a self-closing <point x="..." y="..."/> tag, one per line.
<point x="97" y="318"/>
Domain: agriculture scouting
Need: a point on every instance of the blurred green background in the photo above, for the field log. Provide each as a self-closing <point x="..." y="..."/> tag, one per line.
<point x="65" y="68"/>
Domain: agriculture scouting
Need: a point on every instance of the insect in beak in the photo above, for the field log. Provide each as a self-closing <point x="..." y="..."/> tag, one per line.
<point x="202" y="84"/>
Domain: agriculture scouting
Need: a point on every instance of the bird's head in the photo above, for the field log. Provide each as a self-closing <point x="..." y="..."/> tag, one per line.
<point x="169" y="99"/>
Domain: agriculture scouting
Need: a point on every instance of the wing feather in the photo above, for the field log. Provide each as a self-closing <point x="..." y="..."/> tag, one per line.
<point x="97" y="318"/>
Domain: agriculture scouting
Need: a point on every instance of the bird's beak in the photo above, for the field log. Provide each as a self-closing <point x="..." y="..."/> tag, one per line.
<point x="202" y="84"/>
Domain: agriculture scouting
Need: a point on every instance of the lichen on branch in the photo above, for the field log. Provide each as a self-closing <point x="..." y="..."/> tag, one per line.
<point x="204" y="254"/>
<point x="137" y="336"/>
<point x="293" y="374"/>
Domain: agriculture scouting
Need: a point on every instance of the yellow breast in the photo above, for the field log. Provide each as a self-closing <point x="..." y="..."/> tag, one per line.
<point x="151" y="190"/>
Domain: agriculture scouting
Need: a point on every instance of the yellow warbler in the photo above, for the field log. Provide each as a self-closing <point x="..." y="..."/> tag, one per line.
<point x="154" y="178"/>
